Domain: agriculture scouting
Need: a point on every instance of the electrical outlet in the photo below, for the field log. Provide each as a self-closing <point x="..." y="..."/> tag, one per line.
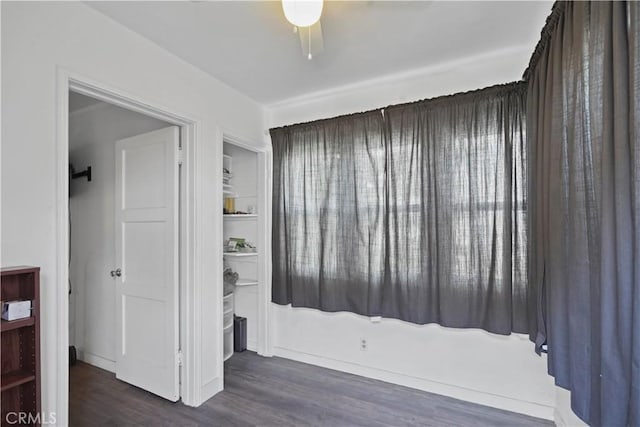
<point x="363" y="344"/>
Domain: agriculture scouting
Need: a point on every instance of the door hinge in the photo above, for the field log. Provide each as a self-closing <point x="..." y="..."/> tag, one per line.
<point x="179" y="357"/>
<point x="180" y="155"/>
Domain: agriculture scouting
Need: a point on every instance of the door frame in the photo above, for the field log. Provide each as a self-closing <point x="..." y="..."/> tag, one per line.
<point x="265" y="166"/>
<point x="189" y="294"/>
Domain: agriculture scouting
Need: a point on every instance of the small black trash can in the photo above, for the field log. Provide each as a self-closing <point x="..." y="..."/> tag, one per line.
<point x="239" y="333"/>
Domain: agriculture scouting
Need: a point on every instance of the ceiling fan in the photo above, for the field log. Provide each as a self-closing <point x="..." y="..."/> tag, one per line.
<point x="305" y="17"/>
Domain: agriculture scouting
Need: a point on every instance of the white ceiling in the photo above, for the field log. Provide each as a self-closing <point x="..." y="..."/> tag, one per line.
<point x="250" y="46"/>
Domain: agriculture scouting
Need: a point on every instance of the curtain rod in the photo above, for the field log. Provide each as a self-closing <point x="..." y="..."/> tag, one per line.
<point x="394" y="106"/>
<point x="557" y="10"/>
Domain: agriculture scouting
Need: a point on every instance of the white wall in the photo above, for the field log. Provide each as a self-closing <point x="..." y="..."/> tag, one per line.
<point x="93" y="132"/>
<point x="473" y="365"/>
<point x="39" y="40"/>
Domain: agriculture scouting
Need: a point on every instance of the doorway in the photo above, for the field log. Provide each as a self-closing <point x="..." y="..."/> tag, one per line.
<point x="197" y="383"/>
<point x="124" y="320"/>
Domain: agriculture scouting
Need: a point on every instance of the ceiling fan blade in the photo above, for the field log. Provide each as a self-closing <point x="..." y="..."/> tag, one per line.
<point x="313" y="34"/>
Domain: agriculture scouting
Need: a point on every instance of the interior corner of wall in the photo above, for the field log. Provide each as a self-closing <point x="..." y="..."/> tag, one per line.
<point x="563" y="415"/>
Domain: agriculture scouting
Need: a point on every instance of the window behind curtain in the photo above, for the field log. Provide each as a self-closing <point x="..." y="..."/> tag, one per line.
<point x="417" y="212"/>
<point x="328" y="224"/>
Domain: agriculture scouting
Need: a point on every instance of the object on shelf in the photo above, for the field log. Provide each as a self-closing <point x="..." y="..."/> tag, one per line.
<point x="229" y="205"/>
<point x="14" y="310"/>
<point x="239" y="333"/>
<point x="231" y="245"/>
<point x="237" y="244"/>
<point x="238" y="213"/>
<point x="226" y="176"/>
<point x="230" y="278"/>
<point x="227" y="322"/>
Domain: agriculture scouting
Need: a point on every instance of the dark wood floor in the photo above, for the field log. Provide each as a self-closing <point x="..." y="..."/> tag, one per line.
<point x="277" y="392"/>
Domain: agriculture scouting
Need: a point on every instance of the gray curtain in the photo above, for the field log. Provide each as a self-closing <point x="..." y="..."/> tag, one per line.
<point x="584" y="204"/>
<point x="328" y="225"/>
<point x="415" y="212"/>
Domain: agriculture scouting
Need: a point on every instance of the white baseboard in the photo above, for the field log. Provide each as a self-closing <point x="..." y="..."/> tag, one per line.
<point x="488" y="399"/>
<point x="558" y="419"/>
<point x="207" y="391"/>
<point x="98" y="361"/>
<point x="563" y="415"/>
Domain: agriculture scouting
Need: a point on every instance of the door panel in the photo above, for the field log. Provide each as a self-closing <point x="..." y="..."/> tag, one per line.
<point x="145" y="193"/>
<point x="147" y="253"/>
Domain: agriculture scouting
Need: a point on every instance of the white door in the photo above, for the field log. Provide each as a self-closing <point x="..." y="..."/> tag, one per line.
<point x="146" y="235"/>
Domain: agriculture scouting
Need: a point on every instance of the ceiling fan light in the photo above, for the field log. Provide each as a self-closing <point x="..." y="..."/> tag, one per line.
<point x="302" y="13"/>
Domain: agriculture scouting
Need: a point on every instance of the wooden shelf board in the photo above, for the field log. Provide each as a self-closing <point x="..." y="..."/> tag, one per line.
<point x="246" y="282"/>
<point x="9" y="325"/>
<point x="16" y="378"/>
<point x="20" y="269"/>
<point x="239" y="216"/>
<point x="240" y="254"/>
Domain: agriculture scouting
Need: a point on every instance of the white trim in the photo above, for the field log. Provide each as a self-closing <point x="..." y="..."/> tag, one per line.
<point x="190" y="285"/>
<point x="496" y="401"/>
<point x="265" y="158"/>
<point x="98" y="361"/>
<point x="394" y="78"/>
<point x="563" y="415"/>
<point x="558" y="419"/>
<point x="88" y="109"/>
<point x="61" y="404"/>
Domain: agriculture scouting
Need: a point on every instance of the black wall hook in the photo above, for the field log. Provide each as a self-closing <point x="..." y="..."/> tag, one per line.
<point x="76" y="175"/>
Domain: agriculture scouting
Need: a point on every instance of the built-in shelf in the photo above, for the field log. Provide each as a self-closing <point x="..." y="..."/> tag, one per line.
<point x="242" y="219"/>
<point x="240" y="254"/>
<point x="240" y="216"/>
<point x="228" y="324"/>
<point x="20" y="346"/>
<point x="15" y="324"/>
<point x="246" y="282"/>
<point x="16" y="378"/>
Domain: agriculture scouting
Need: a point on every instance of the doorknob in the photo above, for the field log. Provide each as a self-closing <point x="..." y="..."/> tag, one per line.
<point x="116" y="272"/>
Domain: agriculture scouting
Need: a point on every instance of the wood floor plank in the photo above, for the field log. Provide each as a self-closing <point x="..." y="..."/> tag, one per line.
<point x="277" y="392"/>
